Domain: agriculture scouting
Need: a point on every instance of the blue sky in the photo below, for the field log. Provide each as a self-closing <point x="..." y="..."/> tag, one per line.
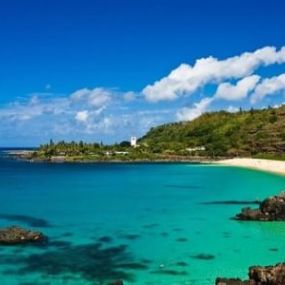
<point x="87" y="69"/>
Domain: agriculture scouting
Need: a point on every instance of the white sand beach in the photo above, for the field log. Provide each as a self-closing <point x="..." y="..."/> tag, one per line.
<point x="260" y="164"/>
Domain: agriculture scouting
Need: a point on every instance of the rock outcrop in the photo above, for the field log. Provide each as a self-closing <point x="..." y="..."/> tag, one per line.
<point x="271" y="209"/>
<point x="16" y="235"/>
<point x="259" y="275"/>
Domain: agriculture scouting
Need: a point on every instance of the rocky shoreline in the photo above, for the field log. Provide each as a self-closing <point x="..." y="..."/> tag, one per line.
<point x="271" y="209"/>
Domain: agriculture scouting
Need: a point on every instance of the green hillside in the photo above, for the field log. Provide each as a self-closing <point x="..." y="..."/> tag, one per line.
<point x="246" y="133"/>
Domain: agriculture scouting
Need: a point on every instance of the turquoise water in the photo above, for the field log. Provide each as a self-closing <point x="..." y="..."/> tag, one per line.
<point x="143" y="223"/>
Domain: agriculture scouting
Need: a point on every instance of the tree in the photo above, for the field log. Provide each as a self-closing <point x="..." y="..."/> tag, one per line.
<point x="125" y="144"/>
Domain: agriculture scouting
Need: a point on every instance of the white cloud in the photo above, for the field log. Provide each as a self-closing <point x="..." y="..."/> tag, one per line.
<point x="186" y="79"/>
<point x="240" y="90"/>
<point x="96" y="97"/>
<point x="268" y="86"/>
<point x="33" y="108"/>
<point x="129" y="96"/>
<point x="82" y="116"/>
<point x="102" y="112"/>
<point x="85" y="114"/>
<point x="225" y="91"/>
<point x="188" y="114"/>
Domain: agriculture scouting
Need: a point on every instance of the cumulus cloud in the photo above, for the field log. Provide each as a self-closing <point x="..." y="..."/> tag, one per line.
<point x="34" y="107"/>
<point x="88" y="114"/>
<point x="97" y="112"/>
<point x="269" y="86"/>
<point x="82" y="116"/>
<point x="191" y="113"/>
<point x="59" y="113"/>
<point x="186" y="79"/>
<point x="238" y="91"/>
<point x="226" y="91"/>
<point x="96" y="97"/>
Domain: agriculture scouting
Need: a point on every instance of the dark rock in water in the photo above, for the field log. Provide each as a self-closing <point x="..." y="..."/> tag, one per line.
<point x="16" y="235"/>
<point x="133" y="265"/>
<point x="181" y="263"/>
<point x="169" y="272"/>
<point x="92" y="263"/>
<point x="248" y="214"/>
<point x="131" y="236"/>
<point x="32" y="283"/>
<point x="273" y="249"/>
<point x="271" y="209"/>
<point x="259" y="275"/>
<point x="117" y="282"/>
<point x="105" y="239"/>
<point x="182" y="239"/>
<point x="231" y="281"/>
<point x="203" y="256"/>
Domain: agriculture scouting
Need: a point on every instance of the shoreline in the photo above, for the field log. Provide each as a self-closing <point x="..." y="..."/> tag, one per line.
<point x="267" y="165"/>
<point x="25" y="155"/>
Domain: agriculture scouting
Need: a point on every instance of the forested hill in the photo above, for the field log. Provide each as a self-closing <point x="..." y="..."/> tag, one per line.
<point x="245" y="133"/>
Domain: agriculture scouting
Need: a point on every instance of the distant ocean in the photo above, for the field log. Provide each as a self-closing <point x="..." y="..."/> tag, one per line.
<point x="142" y="223"/>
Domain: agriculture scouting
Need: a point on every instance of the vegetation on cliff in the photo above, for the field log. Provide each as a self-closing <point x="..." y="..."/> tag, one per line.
<point x="245" y="133"/>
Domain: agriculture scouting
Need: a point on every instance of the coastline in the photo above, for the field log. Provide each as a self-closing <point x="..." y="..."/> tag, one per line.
<point x="26" y="155"/>
<point x="273" y="166"/>
<point x="267" y="165"/>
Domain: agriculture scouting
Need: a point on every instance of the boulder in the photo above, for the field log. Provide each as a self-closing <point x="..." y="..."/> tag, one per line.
<point x="259" y="275"/>
<point x="268" y="275"/>
<point x="16" y="235"/>
<point x="271" y="209"/>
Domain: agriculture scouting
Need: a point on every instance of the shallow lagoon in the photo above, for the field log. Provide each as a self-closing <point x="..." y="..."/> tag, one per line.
<point x="144" y="223"/>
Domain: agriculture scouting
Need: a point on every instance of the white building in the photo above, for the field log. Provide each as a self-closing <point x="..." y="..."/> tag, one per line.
<point x="133" y="141"/>
<point x="122" y="152"/>
<point x="198" y="148"/>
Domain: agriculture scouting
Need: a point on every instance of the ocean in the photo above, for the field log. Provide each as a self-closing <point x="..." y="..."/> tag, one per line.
<point x="143" y="223"/>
